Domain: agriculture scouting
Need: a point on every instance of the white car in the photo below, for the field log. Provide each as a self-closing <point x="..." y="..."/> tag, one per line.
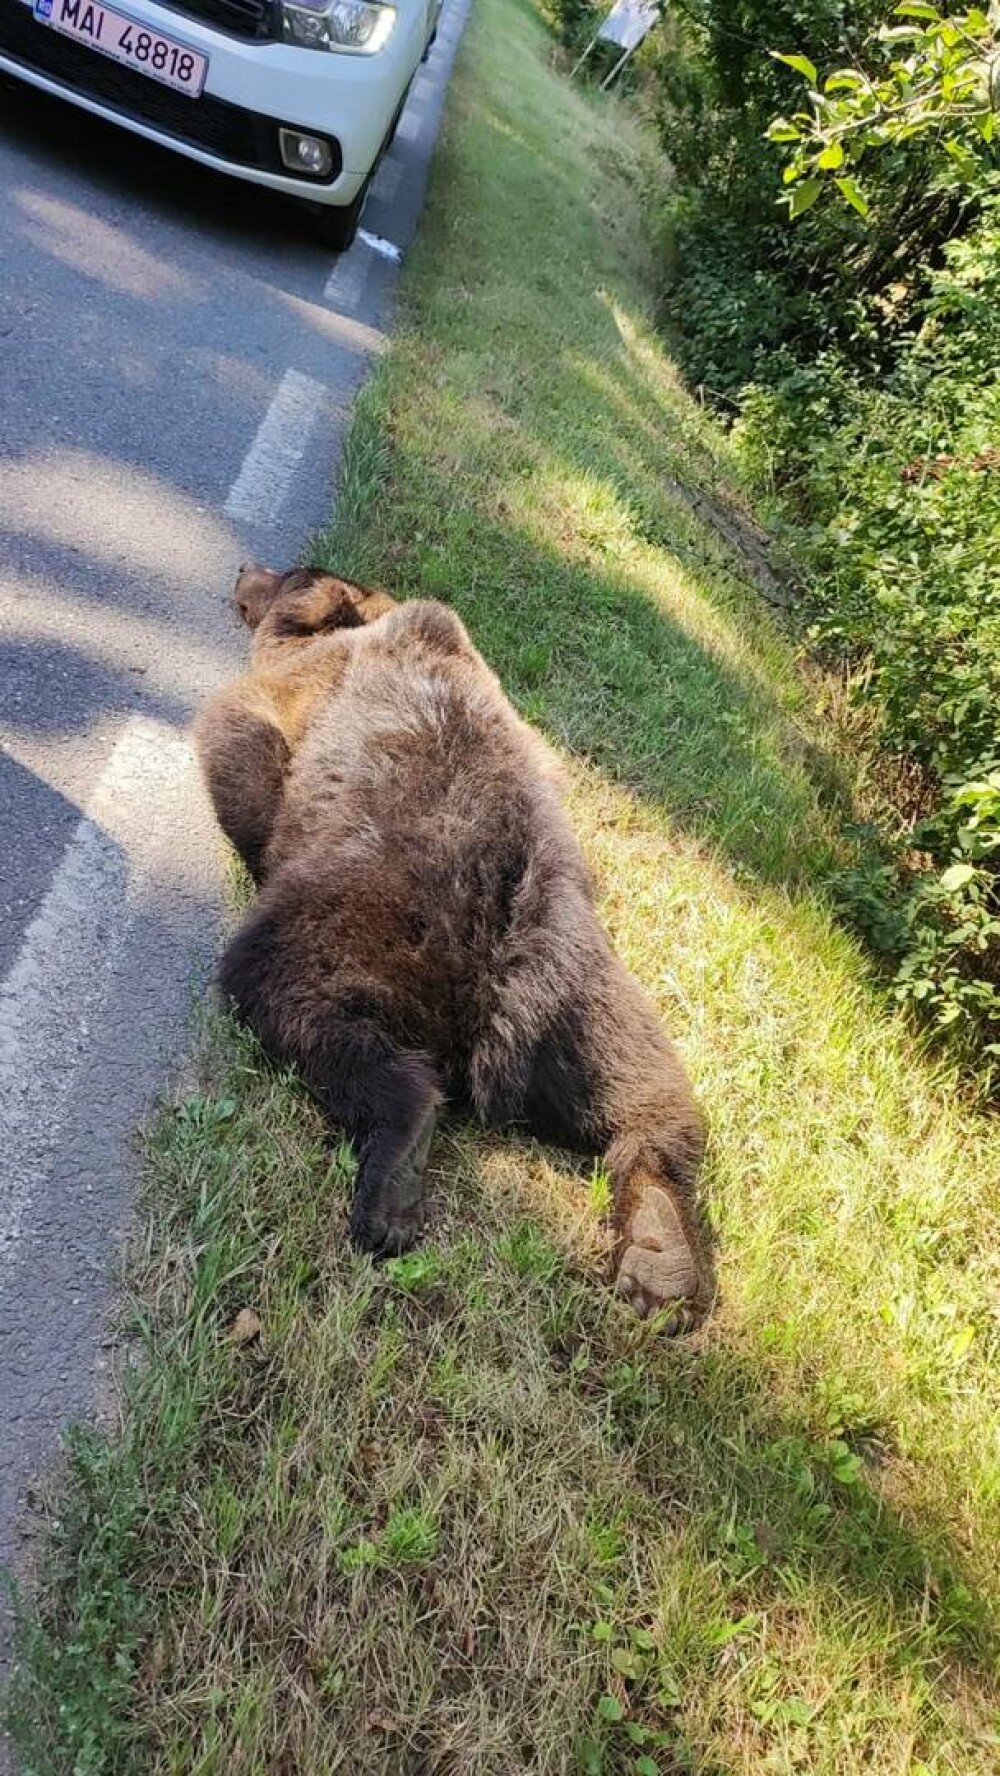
<point x="299" y="95"/>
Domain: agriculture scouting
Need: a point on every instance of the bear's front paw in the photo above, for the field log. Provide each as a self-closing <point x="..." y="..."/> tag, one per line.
<point x="385" y="1231"/>
<point x="388" y="1213"/>
<point x="659" y="1266"/>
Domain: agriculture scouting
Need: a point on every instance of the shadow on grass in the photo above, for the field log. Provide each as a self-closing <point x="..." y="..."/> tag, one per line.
<point x="532" y="454"/>
<point x="536" y="489"/>
<point x="577" y="1469"/>
<point x="689" y="721"/>
<point x="779" y="1489"/>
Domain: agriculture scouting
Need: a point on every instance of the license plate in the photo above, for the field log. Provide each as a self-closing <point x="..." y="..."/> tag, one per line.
<point x="114" y="35"/>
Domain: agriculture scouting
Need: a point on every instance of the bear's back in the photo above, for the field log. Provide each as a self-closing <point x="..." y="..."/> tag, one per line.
<point x="419" y="798"/>
<point x="419" y="749"/>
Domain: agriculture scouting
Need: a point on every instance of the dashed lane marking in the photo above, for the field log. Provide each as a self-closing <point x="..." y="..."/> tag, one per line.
<point x="265" y="478"/>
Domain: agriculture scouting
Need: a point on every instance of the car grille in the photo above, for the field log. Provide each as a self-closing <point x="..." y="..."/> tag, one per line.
<point x="241" y="18"/>
<point x="225" y="130"/>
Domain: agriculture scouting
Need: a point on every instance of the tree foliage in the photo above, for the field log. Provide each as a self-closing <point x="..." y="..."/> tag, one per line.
<point x="858" y="355"/>
<point x="935" y="75"/>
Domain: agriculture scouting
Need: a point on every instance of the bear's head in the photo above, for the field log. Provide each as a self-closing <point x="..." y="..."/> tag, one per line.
<point x="304" y="601"/>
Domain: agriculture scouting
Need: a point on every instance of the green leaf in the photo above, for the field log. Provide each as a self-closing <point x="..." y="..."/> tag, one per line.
<point x="601" y="1631"/>
<point x="591" y="1757"/>
<point x="957" y="876"/>
<point x="917" y="9"/>
<point x="960" y="1343"/>
<point x="959" y="153"/>
<point x="642" y="1638"/>
<point x="645" y="1766"/>
<point x="783" y="131"/>
<point x="415" y="1271"/>
<point x="610" y="1709"/>
<point x="795" y="1712"/>
<point x="362" y="1554"/>
<point x="636" y="1732"/>
<point x="850" y="189"/>
<point x="668" y="1694"/>
<point x="845" y="1466"/>
<point x="803" y="196"/>
<point x="629" y="1664"/>
<point x="833" y="156"/>
<point x="721" y="1633"/>
<point x="800" y="63"/>
<point x="844" y="80"/>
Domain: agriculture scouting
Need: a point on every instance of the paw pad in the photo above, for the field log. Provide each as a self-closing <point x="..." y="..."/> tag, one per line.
<point x="658" y="1267"/>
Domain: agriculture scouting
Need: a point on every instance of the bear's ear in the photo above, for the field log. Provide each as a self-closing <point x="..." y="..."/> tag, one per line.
<point x="310" y="602"/>
<point x="370" y="602"/>
<point x="322" y="603"/>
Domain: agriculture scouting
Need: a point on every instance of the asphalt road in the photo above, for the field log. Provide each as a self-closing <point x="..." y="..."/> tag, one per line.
<point x="177" y="363"/>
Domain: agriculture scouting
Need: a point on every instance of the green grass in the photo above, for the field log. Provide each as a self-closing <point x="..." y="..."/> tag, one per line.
<point x="463" y="1514"/>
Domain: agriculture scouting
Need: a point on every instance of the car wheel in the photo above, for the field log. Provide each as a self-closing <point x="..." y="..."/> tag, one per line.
<point x="336" y="225"/>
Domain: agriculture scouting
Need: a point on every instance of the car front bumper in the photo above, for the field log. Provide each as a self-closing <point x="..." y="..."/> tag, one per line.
<point x="251" y="89"/>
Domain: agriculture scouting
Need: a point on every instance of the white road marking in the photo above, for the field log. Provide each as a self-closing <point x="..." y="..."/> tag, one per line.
<point x="386" y="249"/>
<point x="54" y="992"/>
<point x="389" y="179"/>
<point x="345" y="285"/>
<point x="411" y="125"/>
<point x="262" y="485"/>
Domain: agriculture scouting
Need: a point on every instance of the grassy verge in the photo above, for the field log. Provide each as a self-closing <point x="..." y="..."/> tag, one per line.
<point x="463" y="1514"/>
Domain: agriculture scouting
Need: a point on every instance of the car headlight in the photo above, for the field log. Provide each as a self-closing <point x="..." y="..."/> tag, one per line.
<point x="349" y="27"/>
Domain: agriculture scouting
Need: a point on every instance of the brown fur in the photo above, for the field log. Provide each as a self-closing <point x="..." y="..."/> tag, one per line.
<point x="425" y="925"/>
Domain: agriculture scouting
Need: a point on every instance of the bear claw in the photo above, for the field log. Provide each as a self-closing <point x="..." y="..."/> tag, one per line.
<point x="658" y="1266"/>
<point x="385" y="1236"/>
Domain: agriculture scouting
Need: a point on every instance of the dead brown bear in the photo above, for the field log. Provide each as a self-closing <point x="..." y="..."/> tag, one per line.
<point x="425" y="926"/>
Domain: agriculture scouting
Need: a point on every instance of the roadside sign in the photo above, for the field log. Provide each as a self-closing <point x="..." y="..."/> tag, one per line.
<point x="628" y="22"/>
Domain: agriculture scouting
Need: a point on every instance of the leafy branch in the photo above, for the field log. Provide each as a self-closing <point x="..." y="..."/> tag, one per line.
<point x="940" y="76"/>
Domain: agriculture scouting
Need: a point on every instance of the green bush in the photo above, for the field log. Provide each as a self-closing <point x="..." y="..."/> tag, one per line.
<point x="575" y="21"/>
<point x="859" y="359"/>
<point x="894" y="489"/>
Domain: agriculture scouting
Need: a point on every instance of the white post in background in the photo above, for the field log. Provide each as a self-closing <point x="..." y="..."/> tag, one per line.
<point x="619" y="65"/>
<point x="626" y="25"/>
<point x="578" y="64"/>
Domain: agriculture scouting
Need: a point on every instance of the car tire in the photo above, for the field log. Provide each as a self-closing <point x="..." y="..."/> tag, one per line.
<point x="336" y="225"/>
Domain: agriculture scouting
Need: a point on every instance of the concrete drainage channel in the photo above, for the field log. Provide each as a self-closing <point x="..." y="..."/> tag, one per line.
<point x="123" y="542"/>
